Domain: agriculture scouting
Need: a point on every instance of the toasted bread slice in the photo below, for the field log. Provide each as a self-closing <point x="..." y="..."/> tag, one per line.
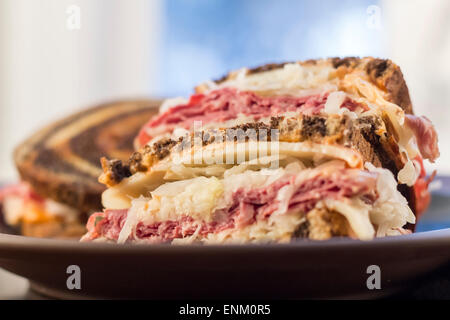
<point x="62" y="161"/>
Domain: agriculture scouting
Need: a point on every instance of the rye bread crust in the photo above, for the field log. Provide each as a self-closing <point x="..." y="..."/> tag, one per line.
<point x="62" y="161"/>
<point x="359" y="134"/>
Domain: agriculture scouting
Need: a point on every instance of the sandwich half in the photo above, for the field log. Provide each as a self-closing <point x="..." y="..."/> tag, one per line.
<point x="59" y="167"/>
<point x="312" y="149"/>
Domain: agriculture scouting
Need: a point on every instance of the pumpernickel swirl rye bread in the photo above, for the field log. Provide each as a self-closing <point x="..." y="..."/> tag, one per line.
<point x="62" y="160"/>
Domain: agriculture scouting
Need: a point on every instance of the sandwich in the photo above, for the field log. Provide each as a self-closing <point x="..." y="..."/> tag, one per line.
<point x="59" y="167"/>
<point x="305" y="150"/>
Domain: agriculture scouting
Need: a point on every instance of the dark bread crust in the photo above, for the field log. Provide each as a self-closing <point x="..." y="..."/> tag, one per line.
<point x="388" y="76"/>
<point x="62" y="161"/>
<point x="359" y="134"/>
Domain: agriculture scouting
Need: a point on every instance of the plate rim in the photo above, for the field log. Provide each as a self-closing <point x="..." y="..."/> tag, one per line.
<point x="10" y="242"/>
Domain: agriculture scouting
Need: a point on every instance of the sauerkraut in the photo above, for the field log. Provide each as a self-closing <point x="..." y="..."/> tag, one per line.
<point x="202" y="198"/>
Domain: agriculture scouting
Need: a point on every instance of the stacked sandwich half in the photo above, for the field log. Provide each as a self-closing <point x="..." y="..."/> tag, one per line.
<point x="59" y="167"/>
<point x="312" y="149"/>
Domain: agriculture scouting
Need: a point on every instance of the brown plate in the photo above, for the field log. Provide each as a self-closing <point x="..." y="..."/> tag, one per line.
<point x="331" y="269"/>
<point x="336" y="268"/>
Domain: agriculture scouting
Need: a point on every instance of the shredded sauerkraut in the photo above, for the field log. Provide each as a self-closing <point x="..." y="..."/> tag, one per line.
<point x="390" y="211"/>
<point x="200" y="197"/>
<point x="292" y="79"/>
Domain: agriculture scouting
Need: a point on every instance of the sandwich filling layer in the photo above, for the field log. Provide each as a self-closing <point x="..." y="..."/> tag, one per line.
<point x="229" y="107"/>
<point x="260" y="205"/>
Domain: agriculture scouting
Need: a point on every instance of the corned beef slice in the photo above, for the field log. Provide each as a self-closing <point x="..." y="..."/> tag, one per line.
<point x="226" y="104"/>
<point x="247" y="207"/>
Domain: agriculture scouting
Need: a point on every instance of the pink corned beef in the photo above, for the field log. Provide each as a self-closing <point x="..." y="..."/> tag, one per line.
<point x="426" y="136"/>
<point x="246" y="207"/>
<point x="20" y="190"/>
<point x="226" y="104"/>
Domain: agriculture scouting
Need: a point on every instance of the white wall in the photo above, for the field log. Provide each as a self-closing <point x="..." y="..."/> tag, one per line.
<point x="48" y="70"/>
<point x="418" y="39"/>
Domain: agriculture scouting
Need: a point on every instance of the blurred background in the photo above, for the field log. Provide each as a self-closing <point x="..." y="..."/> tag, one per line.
<point x="57" y="56"/>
